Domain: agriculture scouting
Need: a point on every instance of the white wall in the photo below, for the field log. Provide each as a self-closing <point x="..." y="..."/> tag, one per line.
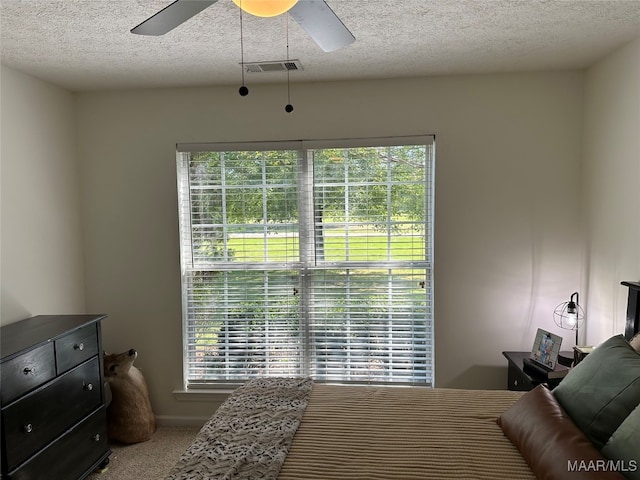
<point x="42" y="247"/>
<point x="612" y="187"/>
<point x="507" y="245"/>
<point x="508" y="183"/>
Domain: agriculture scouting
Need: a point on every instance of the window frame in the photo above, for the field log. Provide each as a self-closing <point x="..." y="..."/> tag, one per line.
<point x="303" y="147"/>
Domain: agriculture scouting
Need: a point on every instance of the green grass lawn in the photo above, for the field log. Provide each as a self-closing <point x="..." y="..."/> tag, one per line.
<point x="337" y="247"/>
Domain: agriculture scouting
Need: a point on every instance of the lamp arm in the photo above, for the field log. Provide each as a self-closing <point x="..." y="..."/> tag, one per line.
<point x="575" y="294"/>
<point x="577" y="304"/>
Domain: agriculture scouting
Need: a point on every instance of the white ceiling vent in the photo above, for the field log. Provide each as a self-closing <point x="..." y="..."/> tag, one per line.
<point x="273" y="66"/>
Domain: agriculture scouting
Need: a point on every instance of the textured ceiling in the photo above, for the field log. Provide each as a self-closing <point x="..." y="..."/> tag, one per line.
<point x="86" y="45"/>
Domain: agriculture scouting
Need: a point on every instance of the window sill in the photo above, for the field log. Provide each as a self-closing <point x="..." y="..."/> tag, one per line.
<point x="209" y="395"/>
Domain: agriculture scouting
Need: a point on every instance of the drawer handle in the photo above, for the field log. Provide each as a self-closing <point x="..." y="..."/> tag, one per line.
<point x="87" y="386"/>
<point x="79" y="346"/>
<point x="29" y="370"/>
<point x="28" y="428"/>
<point x="96" y="437"/>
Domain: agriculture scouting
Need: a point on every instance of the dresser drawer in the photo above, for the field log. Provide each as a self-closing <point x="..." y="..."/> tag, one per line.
<point x="80" y="449"/>
<point x="27" y="372"/>
<point x="76" y="347"/>
<point x="41" y="416"/>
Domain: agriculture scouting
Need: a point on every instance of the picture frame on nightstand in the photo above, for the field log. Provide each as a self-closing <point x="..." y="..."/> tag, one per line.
<point x="545" y="350"/>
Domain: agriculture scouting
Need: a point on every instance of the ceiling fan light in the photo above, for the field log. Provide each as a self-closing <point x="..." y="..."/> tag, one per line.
<point x="265" y="8"/>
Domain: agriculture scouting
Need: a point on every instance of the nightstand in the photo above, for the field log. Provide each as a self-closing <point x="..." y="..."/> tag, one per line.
<point x="520" y="380"/>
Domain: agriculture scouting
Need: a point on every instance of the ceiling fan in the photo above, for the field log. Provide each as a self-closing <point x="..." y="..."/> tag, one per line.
<point x="314" y="16"/>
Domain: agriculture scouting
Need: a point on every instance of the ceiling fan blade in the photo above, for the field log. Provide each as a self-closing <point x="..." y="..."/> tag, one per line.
<point x="322" y="24"/>
<point x="171" y="16"/>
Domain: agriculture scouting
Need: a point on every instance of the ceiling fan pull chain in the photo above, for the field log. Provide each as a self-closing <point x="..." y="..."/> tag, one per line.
<point x="243" y="90"/>
<point x="288" y="107"/>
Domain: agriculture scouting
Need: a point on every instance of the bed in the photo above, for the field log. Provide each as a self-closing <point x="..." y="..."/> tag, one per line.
<point x="295" y="429"/>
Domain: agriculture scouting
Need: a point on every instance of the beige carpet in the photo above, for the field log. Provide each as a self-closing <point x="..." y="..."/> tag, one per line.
<point x="150" y="460"/>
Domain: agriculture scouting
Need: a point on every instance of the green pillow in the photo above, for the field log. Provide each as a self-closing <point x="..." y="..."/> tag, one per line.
<point x="624" y="446"/>
<point x="602" y="390"/>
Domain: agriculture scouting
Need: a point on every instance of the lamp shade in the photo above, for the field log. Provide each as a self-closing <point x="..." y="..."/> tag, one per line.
<point x="265" y="8"/>
<point x="569" y="315"/>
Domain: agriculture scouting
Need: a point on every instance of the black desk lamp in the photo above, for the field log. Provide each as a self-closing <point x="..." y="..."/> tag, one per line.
<point x="569" y="315"/>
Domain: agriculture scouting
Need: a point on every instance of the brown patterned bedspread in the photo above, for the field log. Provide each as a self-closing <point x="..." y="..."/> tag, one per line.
<point x="396" y="433"/>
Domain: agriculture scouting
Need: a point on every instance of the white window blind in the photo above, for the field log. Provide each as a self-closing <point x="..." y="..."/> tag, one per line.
<point x="308" y="258"/>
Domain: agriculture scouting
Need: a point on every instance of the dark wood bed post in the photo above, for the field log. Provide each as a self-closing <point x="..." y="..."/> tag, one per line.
<point x="633" y="310"/>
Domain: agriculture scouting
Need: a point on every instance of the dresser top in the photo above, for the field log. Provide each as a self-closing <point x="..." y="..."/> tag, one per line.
<point x="18" y="336"/>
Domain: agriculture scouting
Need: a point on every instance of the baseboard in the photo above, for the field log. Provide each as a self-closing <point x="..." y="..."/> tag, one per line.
<point x="178" y="421"/>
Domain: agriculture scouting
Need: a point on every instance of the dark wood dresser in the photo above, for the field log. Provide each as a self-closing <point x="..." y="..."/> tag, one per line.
<point x="52" y="397"/>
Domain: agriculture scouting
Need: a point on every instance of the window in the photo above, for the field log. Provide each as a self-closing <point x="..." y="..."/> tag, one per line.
<point x="308" y="258"/>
